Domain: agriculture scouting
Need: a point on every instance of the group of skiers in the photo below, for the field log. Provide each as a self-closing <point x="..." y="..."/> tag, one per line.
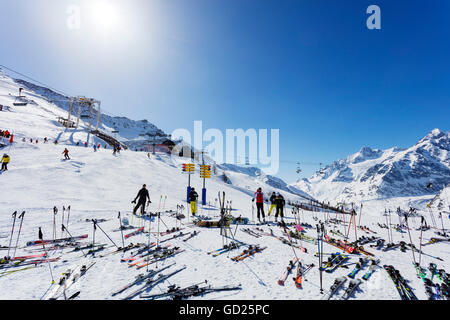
<point x="6" y="134"/>
<point x="276" y="199"/>
<point x="277" y="202"/>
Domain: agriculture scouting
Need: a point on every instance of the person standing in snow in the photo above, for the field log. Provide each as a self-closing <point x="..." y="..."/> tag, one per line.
<point x="5" y="160"/>
<point x="95" y="148"/>
<point x="280" y="202"/>
<point x="66" y="154"/>
<point x="143" y="195"/>
<point x="193" y="196"/>
<point x="259" y="204"/>
<point x="273" y="204"/>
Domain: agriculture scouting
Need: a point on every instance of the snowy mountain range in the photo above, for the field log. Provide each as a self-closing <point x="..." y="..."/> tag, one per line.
<point x="423" y="169"/>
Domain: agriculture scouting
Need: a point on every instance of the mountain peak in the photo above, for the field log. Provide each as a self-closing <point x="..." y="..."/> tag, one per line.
<point x="365" y="153"/>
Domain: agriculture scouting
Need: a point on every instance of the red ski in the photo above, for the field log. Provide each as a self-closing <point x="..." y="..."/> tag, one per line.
<point x="298" y="278"/>
<point x="286" y="273"/>
<point x="29" y="257"/>
<point x="37" y="242"/>
<point x="140" y="230"/>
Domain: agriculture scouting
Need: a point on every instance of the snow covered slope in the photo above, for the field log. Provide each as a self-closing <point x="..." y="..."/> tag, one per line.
<point x="441" y="202"/>
<point x="372" y="174"/>
<point x="98" y="185"/>
<point x="134" y="134"/>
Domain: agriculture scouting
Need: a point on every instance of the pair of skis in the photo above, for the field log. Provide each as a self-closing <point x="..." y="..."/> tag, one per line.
<point x="402" y="287"/>
<point x="247" y="253"/>
<point x="339" y="283"/>
<point x="151" y="283"/>
<point x="334" y="261"/>
<point x="138" y="231"/>
<point x="141" y="278"/>
<point x="163" y="256"/>
<point x="227" y="248"/>
<point x="67" y="280"/>
<point x="38" y="242"/>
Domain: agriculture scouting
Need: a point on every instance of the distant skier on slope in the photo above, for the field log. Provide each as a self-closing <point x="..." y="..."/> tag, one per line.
<point x="143" y="195"/>
<point x="193" y="196"/>
<point x="280" y="202"/>
<point x="259" y="204"/>
<point x="5" y="160"/>
<point x="66" y="154"/>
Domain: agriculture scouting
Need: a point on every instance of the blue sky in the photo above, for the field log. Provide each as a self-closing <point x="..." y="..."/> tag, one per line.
<point x="309" y="68"/>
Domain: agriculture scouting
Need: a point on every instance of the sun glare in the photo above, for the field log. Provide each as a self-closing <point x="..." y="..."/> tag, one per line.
<point x="105" y="15"/>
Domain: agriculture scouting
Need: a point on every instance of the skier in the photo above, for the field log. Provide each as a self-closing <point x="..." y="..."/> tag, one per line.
<point x="66" y="154"/>
<point x="273" y="205"/>
<point x="143" y="195"/>
<point x="45" y="140"/>
<point x="193" y="196"/>
<point x="5" y="160"/>
<point x="95" y="148"/>
<point x="280" y="202"/>
<point x="259" y="204"/>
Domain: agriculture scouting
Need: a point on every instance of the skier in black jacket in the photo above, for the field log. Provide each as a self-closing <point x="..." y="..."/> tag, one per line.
<point x="280" y="202"/>
<point x="193" y="195"/>
<point x="143" y="195"/>
<point x="273" y="205"/>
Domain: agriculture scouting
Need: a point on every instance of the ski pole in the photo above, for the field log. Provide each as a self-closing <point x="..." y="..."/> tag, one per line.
<point x="20" y="229"/>
<point x="55" y="211"/>
<point x="319" y="256"/>
<point x="96" y="223"/>
<point x="159" y="205"/>
<point x="93" y="233"/>
<point x="164" y="203"/>
<point x="121" y="230"/>
<point x="68" y="215"/>
<point x="148" y="240"/>
<point x="41" y="237"/>
<point x="12" y="230"/>
<point x="65" y="229"/>
<point x="62" y="221"/>
<point x="420" y="245"/>
<point x="157" y="240"/>
<point x="410" y="239"/>
<point x="253" y="211"/>
<point x="442" y="221"/>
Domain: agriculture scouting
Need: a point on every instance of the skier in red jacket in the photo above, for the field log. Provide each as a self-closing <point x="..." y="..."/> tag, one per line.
<point x="259" y="204"/>
<point x="66" y="154"/>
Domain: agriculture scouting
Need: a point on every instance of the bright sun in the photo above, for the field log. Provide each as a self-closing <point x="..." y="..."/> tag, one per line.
<point x="105" y="15"/>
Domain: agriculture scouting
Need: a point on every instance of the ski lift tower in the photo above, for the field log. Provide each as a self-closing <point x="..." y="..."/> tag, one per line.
<point x="93" y="104"/>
